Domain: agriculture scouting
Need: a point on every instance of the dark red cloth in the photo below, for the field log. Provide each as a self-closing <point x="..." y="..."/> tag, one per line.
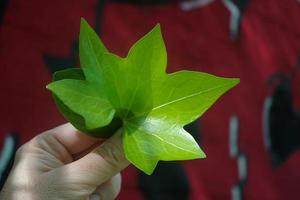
<point x="269" y="42"/>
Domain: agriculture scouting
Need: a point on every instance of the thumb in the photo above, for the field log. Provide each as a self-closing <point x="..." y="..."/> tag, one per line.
<point x="95" y="168"/>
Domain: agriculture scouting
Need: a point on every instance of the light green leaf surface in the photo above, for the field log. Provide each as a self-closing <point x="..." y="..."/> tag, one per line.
<point x="185" y="95"/>
<point x="91" y="50"/>
<point x="156" y="138"/>
<point x="83" y="98"/>
<point x="77" y="120"/>
<point x="150" y="53"/>
<point x="152" y="105"/>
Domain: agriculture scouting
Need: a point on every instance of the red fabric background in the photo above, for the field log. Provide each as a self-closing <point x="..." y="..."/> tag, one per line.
<point x="197" y="40"/>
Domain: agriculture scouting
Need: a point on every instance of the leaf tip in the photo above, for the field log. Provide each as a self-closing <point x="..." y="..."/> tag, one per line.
<point x="49" y="86"/>
<point x="82" y="21"/>
<point x="232" y="82"/>
<point x="146" y="167"/>
<point x="150" y="168"/>
<point x="157" y="29"/>
<point x="202" y="155"/>
<point x="235" y="81"/>
<point x="157" y="26"/>
<point x="199" y="153"/>
<point x="84" y="25"/>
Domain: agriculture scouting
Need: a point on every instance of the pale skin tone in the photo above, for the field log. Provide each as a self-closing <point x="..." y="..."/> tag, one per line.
<point x="64" y="164"/>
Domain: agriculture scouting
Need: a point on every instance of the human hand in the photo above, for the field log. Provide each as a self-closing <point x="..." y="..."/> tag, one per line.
<point x="62" y="164"/>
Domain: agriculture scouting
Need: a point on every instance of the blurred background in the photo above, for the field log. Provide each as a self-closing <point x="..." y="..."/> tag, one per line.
<point x="251" y="135"/>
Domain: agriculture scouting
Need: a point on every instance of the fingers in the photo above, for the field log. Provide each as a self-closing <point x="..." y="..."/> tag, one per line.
<point x="108" y="190"/>
<point x="95" y="168"/>
<point x="72" y="139"/>
<point x="54" y="148"/>
<point x="103" y="162"/>
<point x="77" y="179"/>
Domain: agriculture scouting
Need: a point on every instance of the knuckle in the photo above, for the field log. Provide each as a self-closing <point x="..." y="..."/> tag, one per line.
<point x="38" y="140"/>
<point x="29" y="146"/>
<point x="112" y="154"/>
<point x="21" y="150"/>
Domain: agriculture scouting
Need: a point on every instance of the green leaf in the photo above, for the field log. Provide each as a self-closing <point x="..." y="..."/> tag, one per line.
<point x="185" y="95"/>
<point x="83" y="98"/>
<point x="154" y="138"/>
<point x="91" y="50"/>
<point x="76" y="119"/>
<point x="155" y="58"/>
<point x="152" y="105"/>
<point x="70" y="73"/>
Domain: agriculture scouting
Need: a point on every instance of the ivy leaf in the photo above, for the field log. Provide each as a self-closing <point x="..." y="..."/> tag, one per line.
<point x="135" y="93"/>
<point x="76" y="119"/>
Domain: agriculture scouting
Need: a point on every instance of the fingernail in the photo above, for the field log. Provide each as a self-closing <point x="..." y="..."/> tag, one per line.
<point x="94" y="197"/>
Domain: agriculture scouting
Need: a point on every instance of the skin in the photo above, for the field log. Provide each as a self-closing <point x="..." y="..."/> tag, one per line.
<point x="64" y="164"/>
